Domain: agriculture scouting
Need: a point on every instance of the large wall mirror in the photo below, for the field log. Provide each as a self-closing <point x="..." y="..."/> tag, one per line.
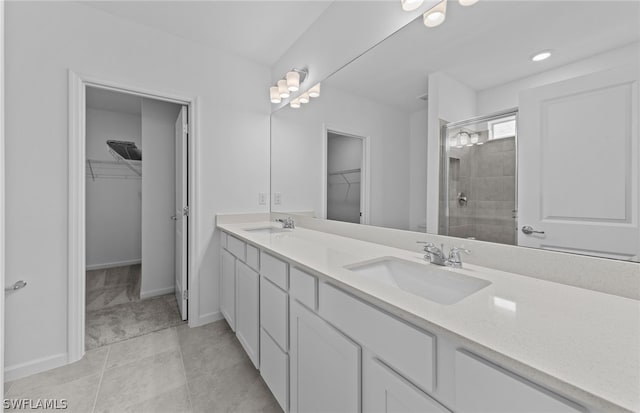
<point x="465" y="130"/>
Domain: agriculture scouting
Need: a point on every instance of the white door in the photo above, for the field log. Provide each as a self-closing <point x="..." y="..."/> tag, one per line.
<point x="181" y="212"/>
<point x="578" y="159"/>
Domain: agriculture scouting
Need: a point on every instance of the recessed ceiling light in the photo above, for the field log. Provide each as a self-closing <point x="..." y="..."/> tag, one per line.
<point x="540" y="56"/>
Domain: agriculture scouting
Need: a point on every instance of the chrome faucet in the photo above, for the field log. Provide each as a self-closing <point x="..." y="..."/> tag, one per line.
<point x="437" y="256"/>
<point x="287" y="223"/>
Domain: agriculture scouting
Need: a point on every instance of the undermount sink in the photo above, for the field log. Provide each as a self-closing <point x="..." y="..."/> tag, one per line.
<point x="434" y="283"/>
<point x="267" y="230"/>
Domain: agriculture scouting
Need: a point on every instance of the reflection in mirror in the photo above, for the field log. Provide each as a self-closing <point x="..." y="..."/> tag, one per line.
<point x="464" y="130"/>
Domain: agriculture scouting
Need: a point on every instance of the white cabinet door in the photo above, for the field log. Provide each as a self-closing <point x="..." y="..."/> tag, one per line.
<point x="247" y="316"/>
<point x="386" y="391"/>
<point x="228" y="288"/>
<point x="485" y="388"/>
<point x="325" y="366"/>
<point x="578" y="160"/>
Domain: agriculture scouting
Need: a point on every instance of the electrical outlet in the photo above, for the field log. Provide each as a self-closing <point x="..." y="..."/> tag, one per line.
<point x="277" y="198"/>
<point x="262" y="198"/>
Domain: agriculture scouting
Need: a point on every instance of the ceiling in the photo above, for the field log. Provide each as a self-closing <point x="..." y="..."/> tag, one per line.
<point x="487" y="45"/>
<point x="261" y="31"/>
<point x="104" y="99"/>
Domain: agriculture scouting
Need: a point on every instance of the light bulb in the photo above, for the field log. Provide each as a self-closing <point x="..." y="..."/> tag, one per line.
<point x="436" y="15"/>
<point x="464" y="138"/>
<point x="274" y="94"/>
<point x="295" y="103"/>
<point x="282" y="89"/>
<point x="467" y="2"/>
<point x="304" y="98"/>
<point x="475" y="138"/>
<point x="293" y="81"/>
<point x="314" y="92"/>
<point x="410" y="5"/>
<point x="453" y="141"/>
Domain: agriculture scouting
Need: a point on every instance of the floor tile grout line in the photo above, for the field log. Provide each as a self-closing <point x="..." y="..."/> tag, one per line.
<point x="184" y="372"/>
<point x="104" y="367"/>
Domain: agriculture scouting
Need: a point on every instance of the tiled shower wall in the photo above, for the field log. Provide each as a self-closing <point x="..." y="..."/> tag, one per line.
<point x="486" y="174"/>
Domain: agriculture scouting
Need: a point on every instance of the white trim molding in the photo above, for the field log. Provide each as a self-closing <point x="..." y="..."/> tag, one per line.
<point x="2" y="259"/>
<point x="154" y="293"/>
<point x="35" y="366"/>
<point x="77" y="212"/>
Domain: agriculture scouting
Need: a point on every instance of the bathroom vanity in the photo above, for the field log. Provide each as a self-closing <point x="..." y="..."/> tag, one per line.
<point x="332" y="325"/>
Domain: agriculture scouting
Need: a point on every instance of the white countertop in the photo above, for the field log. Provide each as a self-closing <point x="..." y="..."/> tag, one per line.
<point x="582" y="343"/>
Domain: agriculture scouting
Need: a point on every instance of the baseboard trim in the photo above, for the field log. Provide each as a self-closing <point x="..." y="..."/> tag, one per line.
<point x="155" y="293"/>
<point x="113" y="264"/>
<point x="206" y="319"/>
<point x="35" y="366"/>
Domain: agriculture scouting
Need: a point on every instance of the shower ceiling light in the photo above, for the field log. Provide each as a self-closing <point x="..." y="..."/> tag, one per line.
<point x="410" y="5"/>
<point x="540" y="56"/>
<point x="467" y="2"/>
<point x="436" y="15"/>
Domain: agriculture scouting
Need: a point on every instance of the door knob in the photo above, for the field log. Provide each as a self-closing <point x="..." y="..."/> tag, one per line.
<point x="529" y="230"/>
<point x="16" y="286"/>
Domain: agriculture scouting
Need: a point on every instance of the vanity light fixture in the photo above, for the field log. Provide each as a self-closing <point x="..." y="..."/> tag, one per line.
<point x="467" y="2"/>
<point x="295" y="104"/>
<point x="283" y="90"/>
<point x="289" y="83"/>
<point x="410" y="5"/>
<point x="435" y="16"/>
<point x="274" y="94"/>
<point x="304" y="98"/>
<point x="314" y="92"/>
<point x="475" y="138"/>
<point x="542" y="55"/>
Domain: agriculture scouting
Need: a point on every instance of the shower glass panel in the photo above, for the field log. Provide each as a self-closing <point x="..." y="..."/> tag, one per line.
<point x="478" y="182"/>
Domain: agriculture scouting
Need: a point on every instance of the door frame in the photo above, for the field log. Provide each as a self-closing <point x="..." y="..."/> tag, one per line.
<point x="365" y="184"/>
<point x="77" y="199"/>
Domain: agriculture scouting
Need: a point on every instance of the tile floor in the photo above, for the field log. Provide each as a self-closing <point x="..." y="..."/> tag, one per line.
<point x="179" y="369"/>
<point x="115" y="311"/>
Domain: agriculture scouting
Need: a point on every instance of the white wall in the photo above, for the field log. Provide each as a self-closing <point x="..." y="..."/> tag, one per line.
<point x="451" y="101"/>
<point x="354" y="25"/>
<point x="506" y="96"/>
<point x="113" y="205"/>
<point x="418" y="135"/>
<point x="158" y="197"/>
<point x="43" y="41"/>
<point x="297" y="153"/>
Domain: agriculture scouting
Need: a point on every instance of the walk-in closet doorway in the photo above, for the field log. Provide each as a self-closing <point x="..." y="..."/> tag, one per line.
<point x="129" y="213"/>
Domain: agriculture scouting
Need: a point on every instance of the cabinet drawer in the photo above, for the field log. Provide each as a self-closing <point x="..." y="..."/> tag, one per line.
<point x="484" y="387"/>
<point x="274" y="312"/>
<point x="236" y="247"/>
<point x="274" y="369"/>
<point x="274" y="269"/>
<point x="406" y="349"/>
<point x="253" y="257"/>
<point x="303" y="287"/>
